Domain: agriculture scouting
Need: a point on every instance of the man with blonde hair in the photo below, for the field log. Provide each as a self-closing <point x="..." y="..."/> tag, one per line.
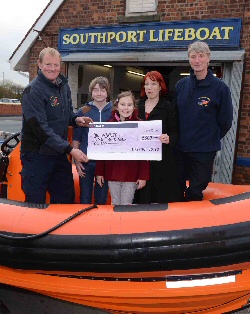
<point x="47" y="112"/>
<point x="205" y="116"/>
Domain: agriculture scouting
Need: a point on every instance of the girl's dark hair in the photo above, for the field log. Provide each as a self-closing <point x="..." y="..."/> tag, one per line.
<point x="124" y="94"/>
<point x="154" y="76"/>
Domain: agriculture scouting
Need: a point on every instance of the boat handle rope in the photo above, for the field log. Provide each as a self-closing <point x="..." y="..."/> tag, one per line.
<point x="42" y="234"/>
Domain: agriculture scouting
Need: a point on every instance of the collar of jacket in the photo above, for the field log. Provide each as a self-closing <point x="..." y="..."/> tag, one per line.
<point x="193" y="82"/>
<point x="205" y="82"/>
<point x="61" y="80"/>
<point x="115" y="116"/>
<point x="106" y="107"/>
<point x="160" y="105"/>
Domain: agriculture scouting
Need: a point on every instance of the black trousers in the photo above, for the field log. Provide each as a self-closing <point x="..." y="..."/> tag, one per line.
<point x="52" y="173"/>
<point x="197" y="168"/>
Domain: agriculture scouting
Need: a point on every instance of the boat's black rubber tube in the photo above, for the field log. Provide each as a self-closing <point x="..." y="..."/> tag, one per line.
<point x="43" y="234"/>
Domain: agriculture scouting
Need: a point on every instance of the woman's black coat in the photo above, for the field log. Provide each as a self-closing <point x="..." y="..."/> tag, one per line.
<point x="163" y="185"/>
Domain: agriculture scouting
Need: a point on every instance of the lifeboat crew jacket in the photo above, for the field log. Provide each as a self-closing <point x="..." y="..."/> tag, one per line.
<point x="47" y="112"/>
<point x="205" y="116"/>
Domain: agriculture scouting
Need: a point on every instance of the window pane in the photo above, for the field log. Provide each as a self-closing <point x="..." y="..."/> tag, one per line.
<point x="141" y="6"/>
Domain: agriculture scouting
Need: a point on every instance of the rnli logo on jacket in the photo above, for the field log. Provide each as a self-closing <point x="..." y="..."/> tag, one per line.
<point x="54" y="101"/>
<point x="203" y="101"/>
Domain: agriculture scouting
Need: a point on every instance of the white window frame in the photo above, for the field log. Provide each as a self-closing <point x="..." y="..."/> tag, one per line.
<point x="141" y="7"/>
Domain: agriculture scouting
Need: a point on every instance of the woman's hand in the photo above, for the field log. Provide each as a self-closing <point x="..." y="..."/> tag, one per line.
<point x="140" y="184"/>
<point x="100" y="180"/>
<point x="164" y="138"/>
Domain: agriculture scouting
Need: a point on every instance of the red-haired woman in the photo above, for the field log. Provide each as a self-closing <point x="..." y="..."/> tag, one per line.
<point x="163" y="185"/>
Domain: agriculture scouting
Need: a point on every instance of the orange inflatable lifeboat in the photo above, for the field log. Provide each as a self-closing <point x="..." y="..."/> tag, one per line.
<point x="159" y="258"/>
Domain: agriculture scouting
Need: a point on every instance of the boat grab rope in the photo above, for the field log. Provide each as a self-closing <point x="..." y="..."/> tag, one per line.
<point x="43" y="234"/>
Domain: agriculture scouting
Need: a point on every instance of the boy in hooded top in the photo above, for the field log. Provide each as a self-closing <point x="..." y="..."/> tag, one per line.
<point x="99" y="109"/>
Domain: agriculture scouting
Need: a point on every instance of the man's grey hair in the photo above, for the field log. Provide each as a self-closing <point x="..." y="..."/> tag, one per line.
<point x="199" y="46"/>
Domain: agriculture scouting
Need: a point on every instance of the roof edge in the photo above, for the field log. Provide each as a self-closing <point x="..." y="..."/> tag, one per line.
<point x="18" y="60"/>
<point x="146" y="56"/>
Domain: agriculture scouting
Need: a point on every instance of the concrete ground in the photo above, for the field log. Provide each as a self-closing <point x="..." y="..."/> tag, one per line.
<point x="18" y="301"/>
<point x="8" y="126"/>
<point x="11" y="124"/>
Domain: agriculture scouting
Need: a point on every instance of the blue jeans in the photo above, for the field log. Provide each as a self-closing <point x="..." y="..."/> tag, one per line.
<point x="52" y="173"/>
<point x="87" y="185"/>
<point x="197" y="168"/>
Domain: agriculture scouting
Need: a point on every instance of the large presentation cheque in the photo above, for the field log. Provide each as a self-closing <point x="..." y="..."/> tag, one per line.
<point x="137" y="140"/>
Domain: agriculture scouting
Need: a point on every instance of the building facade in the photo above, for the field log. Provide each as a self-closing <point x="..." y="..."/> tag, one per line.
<point x="124" y="39"/>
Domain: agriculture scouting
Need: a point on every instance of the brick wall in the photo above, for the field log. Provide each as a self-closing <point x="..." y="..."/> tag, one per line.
<point x="77" y="13"/>
<point x="10" y="109"/>
<point x="242" y="175"/>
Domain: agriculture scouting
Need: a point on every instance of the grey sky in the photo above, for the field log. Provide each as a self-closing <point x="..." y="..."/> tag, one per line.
<point x="16" y="18"/>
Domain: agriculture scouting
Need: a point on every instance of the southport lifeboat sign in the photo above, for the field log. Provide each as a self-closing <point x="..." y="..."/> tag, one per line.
<point x="217" y="33"/>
